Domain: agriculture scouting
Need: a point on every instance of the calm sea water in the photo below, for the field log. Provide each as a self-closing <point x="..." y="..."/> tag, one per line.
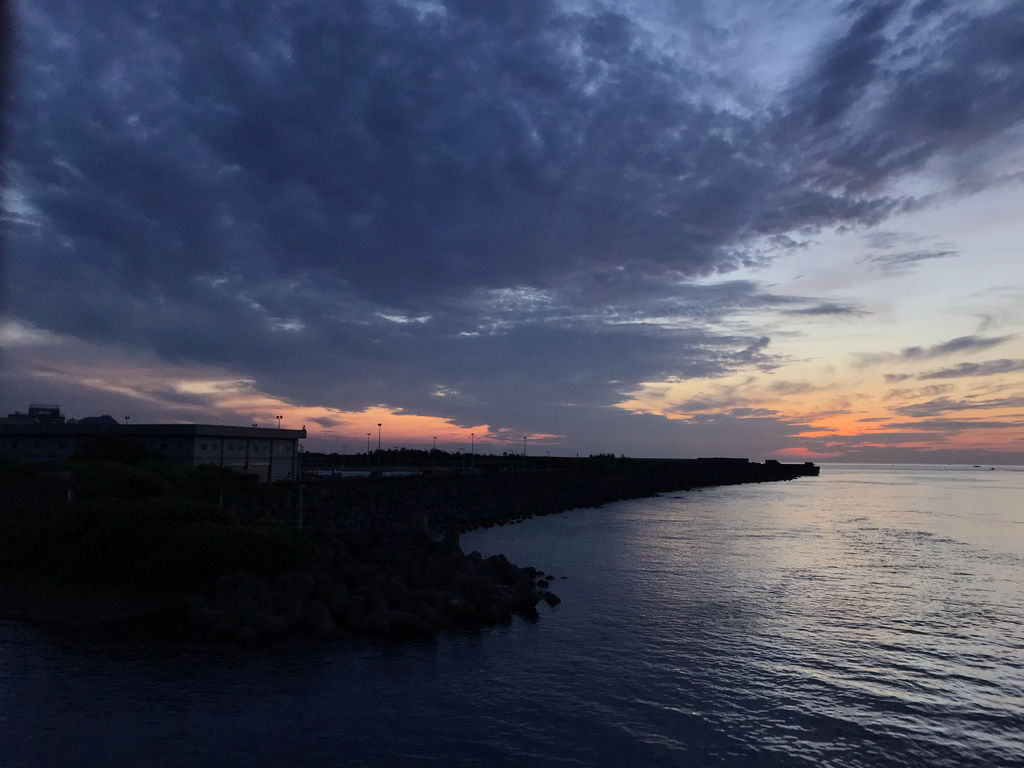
<point x="873" y="616"/>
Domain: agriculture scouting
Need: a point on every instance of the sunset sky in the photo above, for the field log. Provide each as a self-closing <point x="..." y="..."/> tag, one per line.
<point x="767" y="229"/>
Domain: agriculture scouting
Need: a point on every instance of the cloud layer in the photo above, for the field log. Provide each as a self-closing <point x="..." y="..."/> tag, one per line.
<point x="516" y="205"/>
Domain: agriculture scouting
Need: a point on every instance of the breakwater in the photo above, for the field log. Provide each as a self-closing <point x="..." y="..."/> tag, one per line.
<point x="468" y="501"/>
<point x="207" y="554"/>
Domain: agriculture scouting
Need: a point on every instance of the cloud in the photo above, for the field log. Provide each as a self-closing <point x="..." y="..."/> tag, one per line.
<point x="897" y="263"/>
<point x="828" y="309"/>
<point x="971" y="343"/>
<point x="942" y="405"/>
<point x="988" y="368"/>
<point x="518" y="204"/>
<point x="952" y="426"/>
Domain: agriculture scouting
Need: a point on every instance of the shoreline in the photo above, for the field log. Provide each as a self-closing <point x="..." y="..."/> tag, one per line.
<point x="378" y="559"/>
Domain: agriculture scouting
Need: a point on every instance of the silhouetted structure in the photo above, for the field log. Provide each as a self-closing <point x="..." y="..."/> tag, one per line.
<point x="44" y="435"/>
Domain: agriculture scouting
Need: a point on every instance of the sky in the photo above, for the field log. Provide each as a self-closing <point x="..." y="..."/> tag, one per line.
<point x="782" y="228"/>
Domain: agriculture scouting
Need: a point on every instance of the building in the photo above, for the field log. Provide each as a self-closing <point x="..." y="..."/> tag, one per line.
<point x="269" y="453"/>
<point x="38" y="413"/>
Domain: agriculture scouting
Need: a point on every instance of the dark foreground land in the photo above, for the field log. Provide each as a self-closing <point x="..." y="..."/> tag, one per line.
<point x="207" y="554"/>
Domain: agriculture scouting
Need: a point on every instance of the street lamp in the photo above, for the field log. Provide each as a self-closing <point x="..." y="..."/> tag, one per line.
<point x="367" y="449"/>
<point x="126" y="419"/>
<point x="433" y="454"/>
<point x="378" y="443"/>
<point x="472" y="448"/>
<point x="279" y="421"/>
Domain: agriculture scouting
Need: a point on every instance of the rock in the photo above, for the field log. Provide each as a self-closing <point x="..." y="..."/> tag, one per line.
<point x="375" y="601"/>
<point x="527" y="601"/>
<point x="379" y="622"/>
<point x="408" y="624"/>
<point x="397" y="593"/>
<point x="286" y="604"/>
<point x="246" y="635"/>
<point x="458" y="608"/>
<point x="224" y="591"/>
<point x="323" y="587"/>
<point x="431" y="617"/>
<point x="542" y="583"/>
<point x="262" y="621"/>
<point x="339" y="600"/>
<point x="265" y="601"/>
<point x="451" y="537"/>
<point x="300" y="586"/>
<point x="355" y="613"/>
<point x="202" y="616"/>
<point x="551" y="598"/>
<point x="246" y="584"/>
<point x="318" y="620"/>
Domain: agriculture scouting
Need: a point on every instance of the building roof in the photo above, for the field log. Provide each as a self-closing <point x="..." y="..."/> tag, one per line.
<point x="141" y="430"/>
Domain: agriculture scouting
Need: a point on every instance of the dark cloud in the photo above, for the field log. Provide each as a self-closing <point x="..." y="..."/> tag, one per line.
<point x="971" y="343"/>
<point x="942" y="405"/>
<point x="828" y="309"/>
<point x="360" y="203"/>
<point x="952" y="426"/>
<point x="897" y="90"/>
<point x="987" y="368"/>
<point x="897" y="263"/>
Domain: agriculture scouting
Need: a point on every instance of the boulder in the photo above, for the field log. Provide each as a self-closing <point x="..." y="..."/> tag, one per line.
<point x="458" y="608"/>
<point x="318" y="620"/>
<point x="323" y="587"/>
<point x="202" y="616"/>
<point x="527" y="601"/>
<point x="409" y="624"/>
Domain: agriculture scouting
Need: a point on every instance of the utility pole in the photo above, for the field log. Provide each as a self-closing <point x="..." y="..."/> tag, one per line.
<point x="298" y="473"/>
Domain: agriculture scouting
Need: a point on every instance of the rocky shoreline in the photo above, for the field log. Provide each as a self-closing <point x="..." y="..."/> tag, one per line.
<point x="371" y="561"/>
<point x="375" y="585"/>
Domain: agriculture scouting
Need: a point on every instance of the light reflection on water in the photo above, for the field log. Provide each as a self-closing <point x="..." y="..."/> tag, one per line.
<point x="871" y="616"/>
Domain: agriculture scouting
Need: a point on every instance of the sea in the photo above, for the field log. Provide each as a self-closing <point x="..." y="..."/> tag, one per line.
<point x="872" y="616"/>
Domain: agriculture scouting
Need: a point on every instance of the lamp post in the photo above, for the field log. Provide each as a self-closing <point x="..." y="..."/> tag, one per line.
<point x="433" y="454"/>
<point x="126" y="419"/>
<point x="524" y="453"/>
<point x="378" y="443"/>
<point x="472" y="448"/>
<point x="367" y="449"/>
<point x="279" y="421"/>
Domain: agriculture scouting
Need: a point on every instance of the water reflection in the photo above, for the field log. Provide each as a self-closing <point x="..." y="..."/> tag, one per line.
<point x="819" y="621"/>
